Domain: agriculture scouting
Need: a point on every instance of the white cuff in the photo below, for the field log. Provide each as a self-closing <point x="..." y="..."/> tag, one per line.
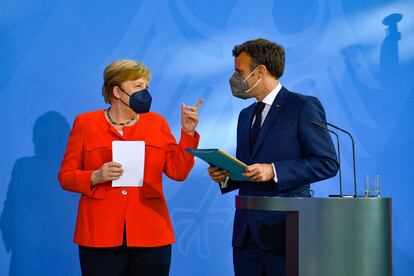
<point x="274" y="171"/>
<point x="224" y="185"/>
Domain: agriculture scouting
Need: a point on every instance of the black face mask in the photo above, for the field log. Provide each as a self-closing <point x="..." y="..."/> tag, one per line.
<point x="139" y="101"/>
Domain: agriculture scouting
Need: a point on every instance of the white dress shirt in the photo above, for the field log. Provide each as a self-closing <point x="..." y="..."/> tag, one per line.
<point x="268" y="101"/>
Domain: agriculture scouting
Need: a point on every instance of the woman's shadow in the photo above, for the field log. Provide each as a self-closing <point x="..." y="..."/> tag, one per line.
<point x="38" y="218"/>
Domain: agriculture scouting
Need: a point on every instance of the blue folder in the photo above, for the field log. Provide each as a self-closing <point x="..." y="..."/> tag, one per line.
<point x="221" y="159"/>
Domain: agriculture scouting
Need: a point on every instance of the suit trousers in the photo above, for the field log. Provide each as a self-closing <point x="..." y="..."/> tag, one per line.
<point x="125" y="261"/>
<point x="250" y="260"/>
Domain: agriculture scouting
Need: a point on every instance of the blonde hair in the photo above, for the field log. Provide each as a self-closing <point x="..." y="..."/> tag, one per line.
<point x="120" y="71"/>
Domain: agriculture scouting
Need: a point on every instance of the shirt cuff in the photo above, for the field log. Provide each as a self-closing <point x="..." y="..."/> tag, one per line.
<point x="274" y="171"/>
<point x="224" y="185"/>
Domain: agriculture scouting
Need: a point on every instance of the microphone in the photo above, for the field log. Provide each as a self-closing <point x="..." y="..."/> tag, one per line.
<point x="353" y="152"/>
<point x="339" y="153"/>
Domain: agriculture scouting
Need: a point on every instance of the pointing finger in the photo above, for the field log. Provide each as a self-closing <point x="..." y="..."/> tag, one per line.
<point x="199" y="103"/>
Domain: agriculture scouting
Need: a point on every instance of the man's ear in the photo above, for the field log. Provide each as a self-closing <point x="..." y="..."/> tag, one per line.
<point x="262" y="70"/>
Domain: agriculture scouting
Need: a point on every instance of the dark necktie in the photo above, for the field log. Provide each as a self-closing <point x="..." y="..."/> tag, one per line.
<point x="254" y="131"/>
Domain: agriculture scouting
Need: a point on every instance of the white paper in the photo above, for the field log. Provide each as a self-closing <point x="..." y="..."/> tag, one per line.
<point x="131" y="155"/>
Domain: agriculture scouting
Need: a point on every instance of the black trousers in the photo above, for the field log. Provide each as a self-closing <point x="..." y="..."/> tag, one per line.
<point x="250" y="260"/>
<point x="125" y="261"/>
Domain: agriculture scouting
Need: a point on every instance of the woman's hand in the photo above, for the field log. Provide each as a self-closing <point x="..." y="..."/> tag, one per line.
<point x="108" y="172"/>
<point x="189" y="116"/>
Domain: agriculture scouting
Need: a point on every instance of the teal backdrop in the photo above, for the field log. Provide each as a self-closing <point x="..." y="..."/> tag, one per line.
<point x="357" y="57"/>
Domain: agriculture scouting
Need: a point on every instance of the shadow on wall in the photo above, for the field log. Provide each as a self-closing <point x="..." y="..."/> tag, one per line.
<point x="390" y="137"/>
<point x="371" y="108"/>
<point x="38" y="218"/>
<point x="397" y="159"/>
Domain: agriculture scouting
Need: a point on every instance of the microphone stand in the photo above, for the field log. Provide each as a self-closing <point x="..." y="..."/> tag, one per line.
<point x="339" y="154"/>
<point x="353" y="153"/>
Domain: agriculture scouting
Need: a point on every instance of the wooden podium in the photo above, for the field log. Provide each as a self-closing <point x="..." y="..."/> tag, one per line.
<point x="332" y="236"/>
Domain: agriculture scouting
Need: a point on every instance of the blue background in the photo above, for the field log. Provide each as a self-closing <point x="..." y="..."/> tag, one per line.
<point x="52" y="55"/>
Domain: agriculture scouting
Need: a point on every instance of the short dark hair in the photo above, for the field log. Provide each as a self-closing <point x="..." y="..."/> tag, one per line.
<point x="262" y="51"/>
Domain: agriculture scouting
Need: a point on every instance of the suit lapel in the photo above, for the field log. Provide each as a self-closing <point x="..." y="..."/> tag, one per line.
<point x="274" y="111"/>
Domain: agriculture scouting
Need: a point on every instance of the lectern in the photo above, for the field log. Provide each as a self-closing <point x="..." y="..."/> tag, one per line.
<point x="332" y="236"/>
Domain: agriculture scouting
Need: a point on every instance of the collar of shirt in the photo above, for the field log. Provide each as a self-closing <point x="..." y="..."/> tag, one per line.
<point x="270" y="98"/>
<point x="268" y="101"/>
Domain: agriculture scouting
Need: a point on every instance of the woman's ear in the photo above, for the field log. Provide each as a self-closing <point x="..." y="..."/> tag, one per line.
<point x="116" y="92"/>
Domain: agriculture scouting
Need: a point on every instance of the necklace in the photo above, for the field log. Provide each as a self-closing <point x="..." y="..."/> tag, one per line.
<point x="118" y="124"/>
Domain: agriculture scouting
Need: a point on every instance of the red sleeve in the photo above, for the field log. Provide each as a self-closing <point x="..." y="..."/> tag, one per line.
<point x="72" y="177"/>
<point x="179" y="162"/>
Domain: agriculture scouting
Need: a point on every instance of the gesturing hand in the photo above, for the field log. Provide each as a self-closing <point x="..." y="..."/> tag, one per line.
<point x="108" y="172"/>
<point x="260" y="172"/>
<point x="189" y="116"/>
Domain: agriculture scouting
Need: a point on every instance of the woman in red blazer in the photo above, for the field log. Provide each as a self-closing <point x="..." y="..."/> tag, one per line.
<point x="125" y="230"/>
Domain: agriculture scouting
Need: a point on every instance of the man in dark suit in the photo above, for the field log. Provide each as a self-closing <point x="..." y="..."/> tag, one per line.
<point x="284" y="150"/>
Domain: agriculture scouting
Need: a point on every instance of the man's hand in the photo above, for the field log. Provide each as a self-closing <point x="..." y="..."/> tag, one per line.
<point x="218" y="175"/>
<point x="260" y="172"/>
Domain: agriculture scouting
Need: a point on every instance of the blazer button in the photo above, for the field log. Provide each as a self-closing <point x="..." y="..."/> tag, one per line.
<point x="124" y="192"/>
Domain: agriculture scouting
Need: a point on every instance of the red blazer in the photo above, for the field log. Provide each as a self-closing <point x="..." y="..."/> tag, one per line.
<point x="104" y="211"/>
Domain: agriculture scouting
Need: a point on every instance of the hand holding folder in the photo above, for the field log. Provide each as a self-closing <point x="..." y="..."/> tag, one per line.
<point x="221" y="159"/>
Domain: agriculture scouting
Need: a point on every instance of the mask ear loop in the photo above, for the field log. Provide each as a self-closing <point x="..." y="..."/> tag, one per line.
<point x="120" y="88"/>
<point x="250" y="73"/>
<point x="248" y="90"/>
<point x="257" y="82"/>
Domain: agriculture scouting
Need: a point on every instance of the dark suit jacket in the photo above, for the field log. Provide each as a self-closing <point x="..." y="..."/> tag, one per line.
<point x="301" y="153"/>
